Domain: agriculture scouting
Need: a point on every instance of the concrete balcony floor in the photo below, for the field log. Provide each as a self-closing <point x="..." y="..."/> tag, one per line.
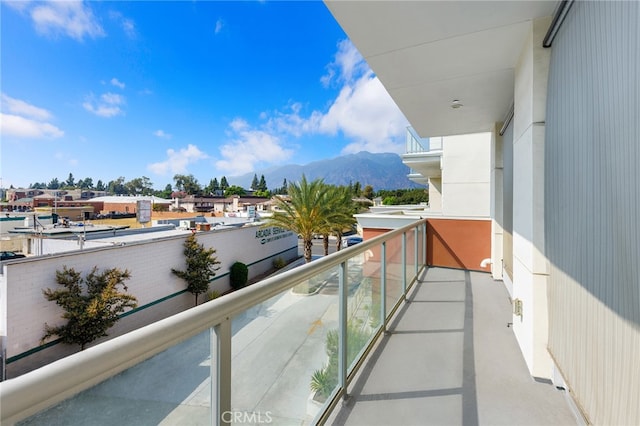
<point x="451" y="359"/>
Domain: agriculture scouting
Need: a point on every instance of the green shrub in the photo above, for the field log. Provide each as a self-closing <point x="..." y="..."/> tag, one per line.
<point x="239" y="275"/>
<point x="279" y="263"/>
<point x="323" y="382"/>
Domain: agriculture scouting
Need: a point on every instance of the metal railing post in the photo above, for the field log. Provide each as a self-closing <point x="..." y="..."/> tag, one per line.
<point x="424" y="242"/>
<point x="404" y="265"/>
<point x="342" y="321"/>
<point x="383" y="286"/>
<point x="223" y="374"/>
<point x="415" y="245"/>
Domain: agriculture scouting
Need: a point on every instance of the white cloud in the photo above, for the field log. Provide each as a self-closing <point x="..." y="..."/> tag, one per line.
<point x="112" y="98"/>
<point x="107" y="106"/>
<point x="21" y="127"/>
<point x="127" y="24"/>
<point x="117" y="83"/>
<point x="363" y="111"/>
<point x="17" y="106"/>
<point x="129" y="27"/>
<point x="73" y="18"/>
<point x="162" y="134"/>
<point x="19" y="5"/>
<point x="23" y="120"/>
<point x="178" y="161"/>
<point x="219" y="26"/>
<point x="248" y="148"/>
<point x="347" y="65"/>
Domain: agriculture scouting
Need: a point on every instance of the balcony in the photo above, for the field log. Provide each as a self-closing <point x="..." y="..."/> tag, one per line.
<point x="386" y="340"/>
<point x="423" y="156"/>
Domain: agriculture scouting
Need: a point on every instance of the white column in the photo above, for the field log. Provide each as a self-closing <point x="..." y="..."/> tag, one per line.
<point x="496" y="203"/>
<point x="530" y="269"/>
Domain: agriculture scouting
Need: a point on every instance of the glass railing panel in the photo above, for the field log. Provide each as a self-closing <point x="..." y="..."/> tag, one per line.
<point x="372" y="277"/>
<point x="394" y="275"/>
<point x="170" y="388"/>
<point x="363" y="308"/>
<point x="410" y="258"/>
<point x="281" y="362"/>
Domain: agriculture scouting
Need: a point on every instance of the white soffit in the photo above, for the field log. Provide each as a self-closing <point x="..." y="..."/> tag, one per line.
<point x="429" y="53"/>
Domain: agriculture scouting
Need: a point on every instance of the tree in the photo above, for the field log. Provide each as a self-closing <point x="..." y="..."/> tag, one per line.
<point x="212" y="188"/>
<point x="254" y="182"/>
<point x="100" y="186"/>
<point x="404" y="196"/>
<point x="201" y="266"/>
<point x="262" y="186"/>
<point x="188" y="184"/>
<point x="339" y="202"/>
<point x="263" y="194"/>
<point x="54" y="184"/>
<point x="139" y="186"/>
<point x="367" y="192"/>
<point x="116" y="187"/>
<point x="165" y="193"/>
<point x="87" y="183"/>
<point x="283" y="188"/>
<point x="70" y="181"/>
<point x="234" y="190"/>
<point x="90" y="311"/>
<point x="357" y="189"/>
<point x="306" y="212"/>
<point x="223" y="183"/>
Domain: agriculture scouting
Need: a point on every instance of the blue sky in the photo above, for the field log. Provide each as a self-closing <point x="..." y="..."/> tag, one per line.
<point x="155" y="89"/>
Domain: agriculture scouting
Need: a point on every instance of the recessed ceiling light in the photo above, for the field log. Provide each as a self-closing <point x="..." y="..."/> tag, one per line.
<point x="456" y="104"/>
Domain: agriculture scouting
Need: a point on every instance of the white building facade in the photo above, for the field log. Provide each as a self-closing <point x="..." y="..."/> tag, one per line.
<point x="149" y="257"/>
<point x="556" y="86"/>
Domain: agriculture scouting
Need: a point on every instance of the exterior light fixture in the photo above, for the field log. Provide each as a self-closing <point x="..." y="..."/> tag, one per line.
<point x="455" y="104"/>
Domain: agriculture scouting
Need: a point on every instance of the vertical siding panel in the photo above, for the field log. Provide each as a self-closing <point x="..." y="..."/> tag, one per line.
<point x="592" y="200"/>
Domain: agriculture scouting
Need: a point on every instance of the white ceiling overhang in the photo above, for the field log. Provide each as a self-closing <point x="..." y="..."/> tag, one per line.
<point x="429" y="53"/>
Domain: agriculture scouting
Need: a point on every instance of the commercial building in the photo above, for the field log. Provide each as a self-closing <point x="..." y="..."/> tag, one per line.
<point x="148" y="254"/>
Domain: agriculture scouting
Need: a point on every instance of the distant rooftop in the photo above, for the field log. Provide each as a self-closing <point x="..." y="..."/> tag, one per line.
<point x="131" y="199"/>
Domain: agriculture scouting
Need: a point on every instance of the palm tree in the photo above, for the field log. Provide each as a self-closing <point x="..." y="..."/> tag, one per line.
<point x="305" y="213"/>
<point x="340" y="219"/>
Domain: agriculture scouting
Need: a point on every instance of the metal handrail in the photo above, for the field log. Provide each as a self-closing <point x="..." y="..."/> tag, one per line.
<point x="37" y="390"/>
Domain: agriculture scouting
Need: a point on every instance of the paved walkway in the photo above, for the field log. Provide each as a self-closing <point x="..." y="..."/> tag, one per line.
<point x="450" y="359"/>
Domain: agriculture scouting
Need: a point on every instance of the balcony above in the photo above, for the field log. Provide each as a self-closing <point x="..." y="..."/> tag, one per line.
<point x="423" y="156"/>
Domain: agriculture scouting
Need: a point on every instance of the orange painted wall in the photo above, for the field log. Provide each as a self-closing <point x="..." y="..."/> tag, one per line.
<point x="394" y="247"/>
<point x="452" y="243"/>
<point x="458" y="243"/>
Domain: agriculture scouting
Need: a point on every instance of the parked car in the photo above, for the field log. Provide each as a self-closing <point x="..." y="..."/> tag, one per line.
<point x="9" y="255"/>
<point x="351" y="241"/>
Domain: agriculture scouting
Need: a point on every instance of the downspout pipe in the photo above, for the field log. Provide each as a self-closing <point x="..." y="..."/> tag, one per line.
<point x="558" y="17"/>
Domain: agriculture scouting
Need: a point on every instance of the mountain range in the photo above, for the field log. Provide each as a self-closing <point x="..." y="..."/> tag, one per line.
<point x="381" y="171"/>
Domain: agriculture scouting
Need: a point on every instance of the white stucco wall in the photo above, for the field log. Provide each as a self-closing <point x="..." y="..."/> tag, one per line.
<point x="25" y="310"/>
<point x="466" y="162"/>
<point x="530" y="267"/>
